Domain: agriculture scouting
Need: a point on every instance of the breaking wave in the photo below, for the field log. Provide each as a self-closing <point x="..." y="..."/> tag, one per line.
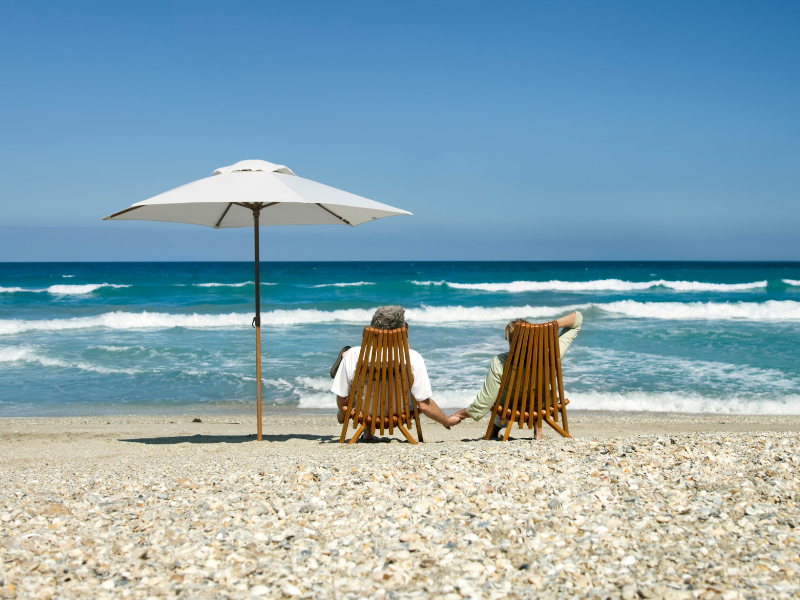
<point x="316" y="394"/>
<point x="65" y="289"/>
<point x="683" y="403"/>
<point x="598" y="285"/>
<point x="31" y="355"/>
<point x="752" y="311"/>
<point x="357" y="283"/>
<point x="791" y="282"/>
<point x="770" y="310"/>
<point x="125" y="320"/>
<point x="235" y="285"/>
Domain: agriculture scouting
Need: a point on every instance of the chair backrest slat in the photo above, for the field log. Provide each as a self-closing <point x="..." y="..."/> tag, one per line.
<point x="384" y="381"/>
<point x="354" y="401"/>
<point x="516" y="377"/>
<point x="528" y="371"/>
<point x="530" y="376"/>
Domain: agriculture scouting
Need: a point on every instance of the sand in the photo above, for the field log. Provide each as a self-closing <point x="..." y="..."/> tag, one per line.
<point x="636" y="506"/>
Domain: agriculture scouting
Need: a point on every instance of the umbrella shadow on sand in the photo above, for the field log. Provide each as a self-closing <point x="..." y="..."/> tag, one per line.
<point x="232" y="439"/>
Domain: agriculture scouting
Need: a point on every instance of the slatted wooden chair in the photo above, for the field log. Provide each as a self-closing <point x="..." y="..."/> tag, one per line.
<point x="532" y="388"/>
<point x="381" y="391"/>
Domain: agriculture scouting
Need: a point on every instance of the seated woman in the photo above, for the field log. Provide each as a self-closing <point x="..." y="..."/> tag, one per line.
<point x="570" y="325"/>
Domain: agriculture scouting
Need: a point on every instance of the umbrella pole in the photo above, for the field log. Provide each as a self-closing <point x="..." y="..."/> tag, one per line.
<point x="257" y="321"/>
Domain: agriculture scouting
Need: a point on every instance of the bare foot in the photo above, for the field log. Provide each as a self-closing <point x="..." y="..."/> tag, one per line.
<point x="340" y="417"/>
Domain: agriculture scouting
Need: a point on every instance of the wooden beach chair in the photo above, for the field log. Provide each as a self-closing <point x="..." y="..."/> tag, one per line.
<point x="532" y="388"/>
<point x="381" y="390"/>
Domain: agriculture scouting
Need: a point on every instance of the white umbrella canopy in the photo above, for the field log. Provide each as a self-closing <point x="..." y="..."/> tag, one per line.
<point x="256" y="192"/>
<point x="226" y="200"/>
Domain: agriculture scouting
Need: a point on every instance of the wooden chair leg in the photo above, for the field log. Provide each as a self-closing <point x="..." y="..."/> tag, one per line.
<point x="508" y="429"/>
<point x="358" y="433"/>
<point x="555" y="426"/>
<point x="491" y="423"/>
<point x="407" y="435"/>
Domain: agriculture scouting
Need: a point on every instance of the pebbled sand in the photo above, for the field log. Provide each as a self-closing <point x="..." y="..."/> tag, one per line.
<point x="642" y="505"/>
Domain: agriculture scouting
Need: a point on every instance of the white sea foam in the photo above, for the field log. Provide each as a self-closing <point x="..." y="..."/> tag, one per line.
<point x="791" y="282"/>
<point x="451" y="399"/>
<point x="426" y="314"/>
<point x="242" y="284"/>
<point x="64" y="289"/>
<point x="30" y="354"/>
<point x="82" y="289"/>
<point x="357" y="283"/>
<point x="126" y="320"/>
<point x="753" y="311"/>
<point x="68" y="275"/>
<point x="235" y="285"/>
<point x="585" y="367"/>
<point x="320" y="384"/>
<point x="684" y="403"/>
<point x="116" y="348"/>
<point x="617" y="285"/>
<point x="771" y="310"/>
<point x="314" y="392"/>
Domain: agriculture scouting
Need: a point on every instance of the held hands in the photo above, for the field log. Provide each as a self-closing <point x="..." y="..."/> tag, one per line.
<point x="457" y="416"/>
<point x="452" y="421"/>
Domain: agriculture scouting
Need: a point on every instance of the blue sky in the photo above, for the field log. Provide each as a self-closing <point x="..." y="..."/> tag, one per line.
<point x="533" y="130"/>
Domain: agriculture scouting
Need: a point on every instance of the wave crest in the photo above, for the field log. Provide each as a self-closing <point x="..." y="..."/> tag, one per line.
<point x="770" y="310"/>
<point x="684" y="403"/>
<point x="65" y="289"/>
<point x="616" y="285"/>
<point x="234" y="285"/>
<point x="357" y="283"/>
<point x="29" y="354"/>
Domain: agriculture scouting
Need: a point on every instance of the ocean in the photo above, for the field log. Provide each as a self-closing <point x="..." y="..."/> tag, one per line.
<point x="133" y="338"/>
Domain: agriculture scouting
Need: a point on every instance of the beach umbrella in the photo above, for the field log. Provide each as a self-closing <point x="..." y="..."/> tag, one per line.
<point x="255" y="193"/>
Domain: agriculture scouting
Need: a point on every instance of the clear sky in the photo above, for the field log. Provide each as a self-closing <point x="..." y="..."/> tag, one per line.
<point x="531" y="130"/>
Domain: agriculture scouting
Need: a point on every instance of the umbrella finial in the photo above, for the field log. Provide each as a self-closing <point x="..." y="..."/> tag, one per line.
<point x="254" y="165"/>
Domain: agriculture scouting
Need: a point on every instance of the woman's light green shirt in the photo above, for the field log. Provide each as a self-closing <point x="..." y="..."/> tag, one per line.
<point x="488" y="394"/>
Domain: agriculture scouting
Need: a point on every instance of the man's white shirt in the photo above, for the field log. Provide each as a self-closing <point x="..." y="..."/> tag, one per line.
<point x="347" y="370"/>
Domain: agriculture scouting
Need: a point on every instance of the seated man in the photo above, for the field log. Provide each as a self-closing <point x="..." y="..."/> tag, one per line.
<point x="488" y="394"/>
<point x="389" y="317"/>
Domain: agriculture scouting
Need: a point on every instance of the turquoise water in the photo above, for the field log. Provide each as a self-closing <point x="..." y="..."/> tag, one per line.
<point x="125" y="338"/>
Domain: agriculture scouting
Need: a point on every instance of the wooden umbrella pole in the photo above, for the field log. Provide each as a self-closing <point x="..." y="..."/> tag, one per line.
<point x="257" y="322"/>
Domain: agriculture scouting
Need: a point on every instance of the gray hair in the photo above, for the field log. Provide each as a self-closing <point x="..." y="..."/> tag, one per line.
<point x="389" y="317"/>
<point x="509" y="330"/>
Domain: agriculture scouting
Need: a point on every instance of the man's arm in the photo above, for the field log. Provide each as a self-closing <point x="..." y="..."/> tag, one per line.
<point x="567" y="320"/>
<point x="430" y="409"/>
<point x="486" y="396"/>
<point x="573" y="323"/>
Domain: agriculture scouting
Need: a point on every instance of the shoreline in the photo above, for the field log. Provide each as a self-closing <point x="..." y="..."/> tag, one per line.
<point x="200" y="410"/>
